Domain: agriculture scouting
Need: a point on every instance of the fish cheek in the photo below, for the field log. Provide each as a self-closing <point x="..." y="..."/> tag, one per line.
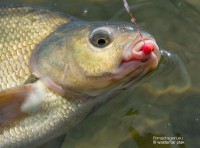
<point x="93" y="71"/>
<point x="97" y="61"/>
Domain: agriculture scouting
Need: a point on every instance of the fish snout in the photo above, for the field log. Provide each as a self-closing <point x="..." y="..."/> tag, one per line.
<point x="142" y="50"/>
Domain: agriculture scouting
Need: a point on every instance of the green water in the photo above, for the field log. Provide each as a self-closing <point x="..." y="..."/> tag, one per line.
<point x="166" y="102"/>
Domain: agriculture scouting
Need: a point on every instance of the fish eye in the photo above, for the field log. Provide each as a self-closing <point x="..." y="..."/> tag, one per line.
<point x="100" y="39"/>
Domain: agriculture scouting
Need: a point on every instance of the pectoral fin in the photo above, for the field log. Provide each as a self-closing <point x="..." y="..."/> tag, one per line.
<point x="19" y="102"/>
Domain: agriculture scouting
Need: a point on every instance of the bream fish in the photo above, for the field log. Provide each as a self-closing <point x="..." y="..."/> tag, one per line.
<point x="55" y="70"/>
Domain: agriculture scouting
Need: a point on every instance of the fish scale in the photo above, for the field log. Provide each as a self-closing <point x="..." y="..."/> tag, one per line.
<point x="54" y="71"/>
<point x="19" y="37"/>
<point x="55" y="111"/>
<point x="22" y="28"/>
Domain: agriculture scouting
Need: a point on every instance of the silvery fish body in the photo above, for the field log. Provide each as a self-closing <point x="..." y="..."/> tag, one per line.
<point x="56" y="70"/>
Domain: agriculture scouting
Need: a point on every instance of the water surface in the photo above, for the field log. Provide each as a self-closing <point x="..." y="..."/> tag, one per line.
<point x="167" y="101"/>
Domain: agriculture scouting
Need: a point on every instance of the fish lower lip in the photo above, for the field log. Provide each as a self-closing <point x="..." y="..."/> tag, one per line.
<point x="130" y="60"/>
<point x="126" y="68"/>
<point x="125" y="63"/>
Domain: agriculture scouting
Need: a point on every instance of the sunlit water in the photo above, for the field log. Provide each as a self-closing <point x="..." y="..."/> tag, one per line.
<point x="167" y="101"/>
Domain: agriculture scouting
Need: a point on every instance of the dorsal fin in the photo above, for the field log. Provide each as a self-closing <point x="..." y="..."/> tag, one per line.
<point x="19" y="102"/>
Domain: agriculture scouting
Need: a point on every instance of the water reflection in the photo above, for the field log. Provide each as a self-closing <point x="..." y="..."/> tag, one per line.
<point x="166" y="102"/>
<point x="154" y="107"/>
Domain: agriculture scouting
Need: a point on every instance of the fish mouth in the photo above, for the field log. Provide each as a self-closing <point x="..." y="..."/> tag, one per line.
<point x="135" y="52"/>
<point x="134" y="57"/>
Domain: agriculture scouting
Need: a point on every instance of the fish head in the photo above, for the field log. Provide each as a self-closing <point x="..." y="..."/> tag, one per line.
<point x="93" y="57"/>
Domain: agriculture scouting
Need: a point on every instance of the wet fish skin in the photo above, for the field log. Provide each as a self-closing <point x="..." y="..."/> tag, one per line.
<point x="22" y="29"/>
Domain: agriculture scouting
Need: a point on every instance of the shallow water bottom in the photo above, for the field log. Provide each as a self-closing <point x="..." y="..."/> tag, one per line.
<point x="162" y="111"/>
<point x="165" y="104"/>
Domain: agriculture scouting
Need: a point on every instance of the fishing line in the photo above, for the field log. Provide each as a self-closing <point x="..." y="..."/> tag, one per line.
<point x="146" y="48"/>
<point x="133" y="19"/>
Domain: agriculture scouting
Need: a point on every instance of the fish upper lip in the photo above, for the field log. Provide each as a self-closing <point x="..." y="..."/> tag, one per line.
<point x="133" y="51"/>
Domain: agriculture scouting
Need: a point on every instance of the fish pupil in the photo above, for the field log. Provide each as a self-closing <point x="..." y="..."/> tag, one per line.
<point x="101" y="41"/>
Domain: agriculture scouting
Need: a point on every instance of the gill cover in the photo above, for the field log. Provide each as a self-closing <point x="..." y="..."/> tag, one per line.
<point x="49" y="61"/>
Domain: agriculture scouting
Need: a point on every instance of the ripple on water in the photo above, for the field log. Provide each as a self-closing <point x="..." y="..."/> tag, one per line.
<point x="163" y="101"/>
<point x="185" y="118"/>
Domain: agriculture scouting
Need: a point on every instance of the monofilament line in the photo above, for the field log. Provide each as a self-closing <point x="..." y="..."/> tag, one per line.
<point x="132" y="17"/>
